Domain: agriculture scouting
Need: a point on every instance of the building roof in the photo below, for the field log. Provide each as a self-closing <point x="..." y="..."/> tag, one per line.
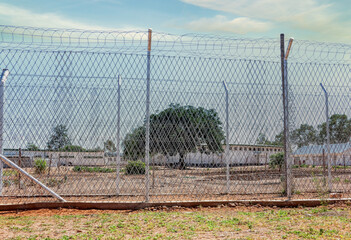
<point x="318" y="149"/>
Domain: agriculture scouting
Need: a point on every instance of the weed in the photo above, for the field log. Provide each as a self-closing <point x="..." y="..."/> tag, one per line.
<point x="40" y="166"/>
<point x="336" y="180"/>
<point x="10" y="172"/>
<point x="52" y="182"/>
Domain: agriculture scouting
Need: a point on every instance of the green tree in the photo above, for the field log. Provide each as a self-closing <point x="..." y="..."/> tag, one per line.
<point x="339" y="129"/>
<point x="110" y="146"/>
<point x="178" y="130"/>
<point x="278" y="140"/>
<point x="304" y="135"/>
<point x="263" y="140"/>
<point x="59" y="139"/>
<point x="134" y="144"/>
<point x="32" y="147"/>
<point x="276" y="160"/>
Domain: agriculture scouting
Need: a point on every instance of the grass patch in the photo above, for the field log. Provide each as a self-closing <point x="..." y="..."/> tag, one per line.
<point x="200" y="223"/>
<point x="9" y="173"/>
<point x="93" y="169"/>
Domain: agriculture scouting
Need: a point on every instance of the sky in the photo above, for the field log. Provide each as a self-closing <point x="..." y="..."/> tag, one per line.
<point x="317" y="20"/>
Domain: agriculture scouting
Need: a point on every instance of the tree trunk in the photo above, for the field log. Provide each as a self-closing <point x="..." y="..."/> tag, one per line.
<point x="181" y="161"/>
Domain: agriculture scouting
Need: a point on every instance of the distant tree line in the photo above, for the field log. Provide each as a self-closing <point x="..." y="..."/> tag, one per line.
<point x="60" y="141"/>
<point x="339" y="130"/>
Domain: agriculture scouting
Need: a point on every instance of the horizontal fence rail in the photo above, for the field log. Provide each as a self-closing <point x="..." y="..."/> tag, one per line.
<point x="154" y="117"/>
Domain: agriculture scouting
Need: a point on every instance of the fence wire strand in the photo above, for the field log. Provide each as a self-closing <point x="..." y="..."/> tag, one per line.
<point x="65" y="119"/>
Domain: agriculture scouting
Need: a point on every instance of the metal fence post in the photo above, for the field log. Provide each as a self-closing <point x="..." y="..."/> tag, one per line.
<point x="118" y="156"/>
<point x="227" y="136"/>
<point x="284" y="69"/>
<point x="147" y="140"/>
<point x="4" y="74"/>
<point x="1" y="132"/>
<point x="328" y="137"/>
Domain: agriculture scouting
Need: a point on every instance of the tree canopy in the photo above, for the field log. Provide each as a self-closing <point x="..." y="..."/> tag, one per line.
<point x="339" y="129"/>
<point x="110" y="146"/>
<point x="59" y="139"/>
<point x="177" y="130"/>
<point x="263" y="140"/>
<point x="304" y="135"/>
<point x="134" y="144"/>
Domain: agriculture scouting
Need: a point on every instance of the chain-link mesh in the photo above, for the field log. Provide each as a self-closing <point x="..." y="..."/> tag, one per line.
<point x="215" y="129"/>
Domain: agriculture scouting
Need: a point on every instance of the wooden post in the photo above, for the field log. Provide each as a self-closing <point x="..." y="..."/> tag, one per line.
<point x="19" y="164"/>
<point x="324" y="166"/>
<point x="153" y="172"/>
<point x="50" y="164"/>
<point x="58" y="164"/>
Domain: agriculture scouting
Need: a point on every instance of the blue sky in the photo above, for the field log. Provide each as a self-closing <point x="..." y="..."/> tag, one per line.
<point x="322" y="20"/>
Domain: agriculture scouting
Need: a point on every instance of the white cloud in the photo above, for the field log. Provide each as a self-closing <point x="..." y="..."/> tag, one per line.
<point x="13" y="15"/>
<point x="293" y="15"/>
<point x="16" y="16"/>
<point x="264" y="9"/>
<point x="241" y="25"/>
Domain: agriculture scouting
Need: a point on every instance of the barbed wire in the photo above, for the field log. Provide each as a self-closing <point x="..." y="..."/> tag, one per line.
<point x="187" y="45"/>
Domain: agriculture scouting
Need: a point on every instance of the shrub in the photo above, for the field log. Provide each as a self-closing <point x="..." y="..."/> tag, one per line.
<point x="135" y="167"/>
<point x="72" y="148"/>
<point x="93" y="169"/>
<point x="40" y="165"/>
<point x="276" y="160"/>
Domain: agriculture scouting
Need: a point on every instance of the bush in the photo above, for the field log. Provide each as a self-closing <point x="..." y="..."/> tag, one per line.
<point x="40" y="165"/>
<point x="93" y="169"/>
<point x="135" y="167"/>
<point x="72" y="148"/>
<point x="276" y="160"/>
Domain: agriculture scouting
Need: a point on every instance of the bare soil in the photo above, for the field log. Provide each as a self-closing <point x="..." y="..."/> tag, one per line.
<point x="166" y="184"/>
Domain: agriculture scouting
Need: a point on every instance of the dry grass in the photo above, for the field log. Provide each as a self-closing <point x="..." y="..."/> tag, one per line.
<point x="325" y="222"/>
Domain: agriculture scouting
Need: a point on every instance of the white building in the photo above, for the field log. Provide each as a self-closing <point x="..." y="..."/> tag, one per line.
<point x="238" y="155"/>
<point x="340" y="155"/>
<point x="58" y="158"/>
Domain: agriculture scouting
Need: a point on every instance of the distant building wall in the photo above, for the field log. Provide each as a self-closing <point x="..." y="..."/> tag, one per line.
<point x="238" y="155"/>
<point x="57" y="158"/>
<point x="313" y="155"/>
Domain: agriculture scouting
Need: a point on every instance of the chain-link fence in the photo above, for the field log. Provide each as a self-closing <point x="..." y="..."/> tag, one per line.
<point x="141" y="116"/>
